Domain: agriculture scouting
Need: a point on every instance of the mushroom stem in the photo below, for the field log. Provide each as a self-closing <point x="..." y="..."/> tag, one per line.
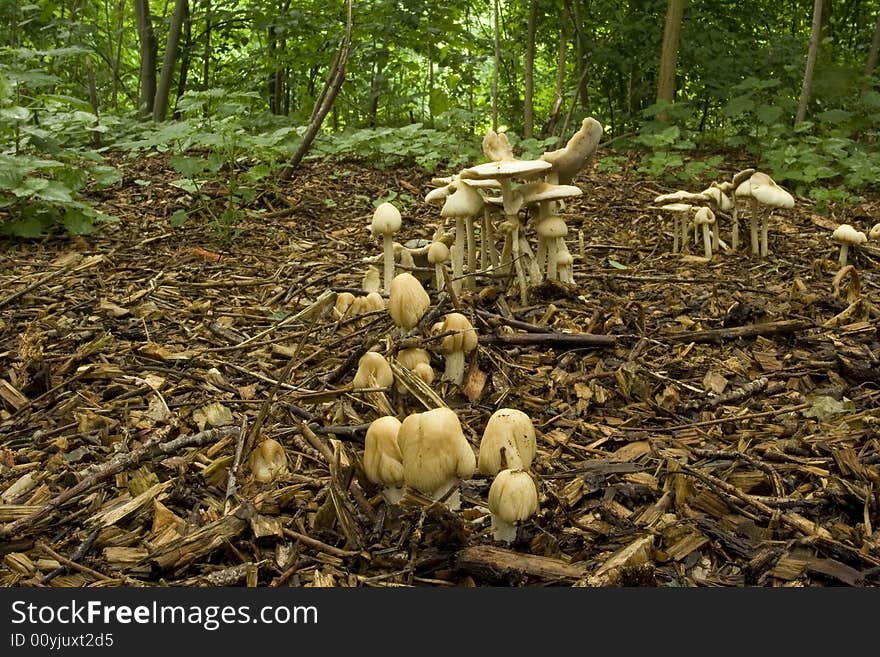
<point x="765" y="221"/>
<point x="503" y="531"/>
<point x="552" y="257"/>
<point x="438" y="276"/>
<point x="388" y="255"/>
<point x="454" y="370"/>
<point x="392" y="494"/>
<point x="458" y="254"/>
<point x="488" y="254"/>
<point x="734" y="226"/>
<point x="518" y="264"/>
<point x="753" y="226"/>
<point x="675" y="229"/>
<point x="684" y="234"/>
<point x="471" y="235"/>
<point x="844" y="252"/>
<point x="707" y="241"/>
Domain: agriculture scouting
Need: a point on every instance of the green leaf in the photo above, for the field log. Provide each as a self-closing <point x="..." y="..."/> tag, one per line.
<point x="54" y="192"/>
<point x="106" y="176"/>
<point x="178" y="218"/>
<point x="77" y="222"/>
<point x="616" y="264"/>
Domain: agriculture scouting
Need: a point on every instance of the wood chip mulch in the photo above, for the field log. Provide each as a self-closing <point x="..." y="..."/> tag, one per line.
<point x="723" y="429"/>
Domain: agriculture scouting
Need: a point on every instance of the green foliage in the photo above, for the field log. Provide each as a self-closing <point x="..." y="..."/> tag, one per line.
<point x="44" y="163"/>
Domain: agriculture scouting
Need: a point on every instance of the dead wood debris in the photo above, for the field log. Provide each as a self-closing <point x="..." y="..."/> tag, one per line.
<point x="699" y="423"/>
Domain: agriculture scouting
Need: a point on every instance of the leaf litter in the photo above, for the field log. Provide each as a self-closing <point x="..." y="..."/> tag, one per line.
<point x="700" y="422"/>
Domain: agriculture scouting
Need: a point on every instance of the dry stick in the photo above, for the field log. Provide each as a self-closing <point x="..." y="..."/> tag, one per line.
<point x="515" y="323"/>
<point x="78" y="554"/>
<point x="150" y="449"/>
<point x="69" y="563"/>
<point x="752" y="330"/>
<point x="236" y="460"/>
<point x="318" y="545"/>
<point x="721" y="420"/>
<point x="562" y="340"/>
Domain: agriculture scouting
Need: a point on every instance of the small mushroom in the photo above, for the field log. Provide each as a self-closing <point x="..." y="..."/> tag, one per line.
<point x="373" y="372"/>
<point x="463" y="206"/>
<point x="383" y="462"/>
<point x="268" y="461"/>
<point x="847" y="236"/>
<point x="438" y="255"/>
<point x="372" y="280"/>
<point x="680" y="213"/>
<point x="577" y="153"/>
<point x="343" y="306"/>
<point x="551" y="231"/>
<point x="456" y="345"/>
<point x="418" y="361"/>
<point x="704" y="219"/>
<point x="770" y="196"/>
<point x="508" y="442"/>
<point x="408" y="301"/>
<point x="874" y="233"/>
<point x="435" y="454"/>
<point x="386" y="221"/>
<point x="513" y="498"/>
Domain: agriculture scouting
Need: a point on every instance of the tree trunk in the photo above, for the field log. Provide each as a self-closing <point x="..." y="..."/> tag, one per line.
<point x="117" y="59"/>
<point x="875" y="50"/>
<point x="529" y="73"/>
<point x="580" y="45"/>
<point x="206" y="58"/>
<point x="325" y="100"/>
<point x="812" y="54"/>
<point x="550" y="124"/>
<point x="148" y="51"/>
<point x="669" y="54"/>
<point x="185" y="60"/>
<point x="163" y="89"/>
<point x="496" y="66"/>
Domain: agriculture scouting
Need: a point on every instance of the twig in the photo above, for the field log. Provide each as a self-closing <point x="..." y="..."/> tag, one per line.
<point x="318" y="545"/>
<point x="70" y="563"/>
<point x="149" y="450"/>
<point x="78" y="554"/>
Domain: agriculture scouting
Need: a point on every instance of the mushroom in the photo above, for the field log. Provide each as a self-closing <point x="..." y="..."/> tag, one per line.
<point x="874" y="233"/>
<point x="718" y="202"/>
<point x="386" y="222"/>
<point x="435" y="454"/>
<point x="508" y="442"/>
<point x="456" y="345"/>
<point x="373" y="372"/>
<point x="418" y="361"/>
<point x="551" y="231"/>
<point x="684" y="197"/>
<point x="576" y="154"/>
<point x="564" y="264"/>
<point x="372" y="281"/>
<point x="383" y="462"/>
<point x="704" y="219"/>
<point x="343" y="305"/>
<point x="372" y="302"/>
<point x="545" y="195"/>
<point x="268" y="461"/>
<point x="733" y="189"/>
<point x="847" y="236"/>
<point x="679" y="212"/>
<point x="513" y="498"/>
<point x="438" y="254"/>
<point x="408" y="301"/>
<point x="463" y="205"/>
<point x="765" y="191"/>
<point x="504" y="171"/>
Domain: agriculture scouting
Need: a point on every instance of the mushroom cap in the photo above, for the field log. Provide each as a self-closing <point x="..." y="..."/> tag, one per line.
<point x="718" y="197"/>
<point x="383" y="462"/>
<point x="552" y="227"/>
<point x="679" y="196"/>
<point x="704" y="215"/>
<point x="874" y="233"/>
<point x="412" y="356"/>
<point x="465" y="201"/>
<point x="512" y="430"/>
<point x="268" y="460"/>
<point x="513" y="496"/>
<point x="740" y="176"/>
<point x="506" y="169"/>
<point x="535" y="192"/>
<point x="343" y="303"/>
<point x="373" y="372"/>
<point x="765" y="190"/>
<point x="372" y="280"/>
<point x="372" y="301"/>
<point x="743" y="189"/>
<point x="677" y="207"/>
<point x="386" y="220"/>
<point x="438" y="196"/>
<point x="564" y="258"/>
<point x="465" y="339"/>
<point x="407" y="300"/>
<point x="496" y="146"/>
<point x="434" y="450"/>
<point x="578" y="151"/>
<point x="438" y="252"/>
<point x="846" y="234"/>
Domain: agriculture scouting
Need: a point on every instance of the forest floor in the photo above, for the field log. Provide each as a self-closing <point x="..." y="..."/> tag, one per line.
<point x="725" y="432"/>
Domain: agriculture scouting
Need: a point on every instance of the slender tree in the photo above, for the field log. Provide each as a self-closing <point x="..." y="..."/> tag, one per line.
<point x="812" y="54"/>
<point x="148" y="52"/>
<point x="873" y="53"/>
<point x="163" y="89"/>
<point x="529" y="73"/>
<point x="669" y="54"/>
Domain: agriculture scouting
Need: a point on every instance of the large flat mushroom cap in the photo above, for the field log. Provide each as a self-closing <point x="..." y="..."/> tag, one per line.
<point x="846" y="234"/>
<point x="765" y="190"/>
<point x="506" y="169"/>
<point x="679" y="196"/>
<point x="535" y="192"/>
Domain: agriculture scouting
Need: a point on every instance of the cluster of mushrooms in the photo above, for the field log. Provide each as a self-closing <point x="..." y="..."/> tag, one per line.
<point x="492" y="202"/>
<point x="703" y="210"/>
<point x="428" y="452"/>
